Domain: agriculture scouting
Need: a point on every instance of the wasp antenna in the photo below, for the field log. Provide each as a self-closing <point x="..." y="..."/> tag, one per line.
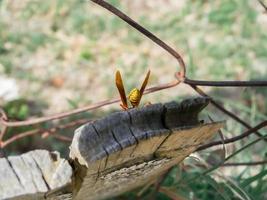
<point x="121" y="90"/>
<point x="144" y="85"/>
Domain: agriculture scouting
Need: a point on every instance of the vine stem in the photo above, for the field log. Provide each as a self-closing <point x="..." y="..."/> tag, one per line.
<point x="224" y="110"/>
<point x="262" y="83"/>
<point x="263" y="162"/>
<point x="234" y="139"/>
<point x="46" y="132"/>
<point x="144" y="31"/>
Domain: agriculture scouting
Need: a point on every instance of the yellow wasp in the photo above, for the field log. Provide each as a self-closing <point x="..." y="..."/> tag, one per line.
<point x="134" y="96"/>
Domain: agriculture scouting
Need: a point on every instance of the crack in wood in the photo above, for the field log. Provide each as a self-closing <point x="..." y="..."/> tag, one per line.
<point x="43" y="177"/>
<point x="15" y="173"/>
<point x="129" y="126"/>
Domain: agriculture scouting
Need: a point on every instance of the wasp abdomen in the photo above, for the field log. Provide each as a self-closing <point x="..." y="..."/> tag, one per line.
<point x="134" y="97"/>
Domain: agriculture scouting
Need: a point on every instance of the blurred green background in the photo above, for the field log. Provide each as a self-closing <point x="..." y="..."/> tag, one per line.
<point x="57" y="55"/>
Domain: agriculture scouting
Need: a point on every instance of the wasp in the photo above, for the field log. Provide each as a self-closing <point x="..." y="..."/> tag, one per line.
<point x="134" y="96"/>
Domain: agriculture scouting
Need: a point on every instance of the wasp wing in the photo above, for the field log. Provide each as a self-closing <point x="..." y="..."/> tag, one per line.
<point x="144" y="85"/>
<point x="120" y="87"/>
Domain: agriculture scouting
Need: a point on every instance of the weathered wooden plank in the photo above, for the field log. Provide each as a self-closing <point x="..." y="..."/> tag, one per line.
<point x="122" y="129"/>
<point x="33" y="175"/>
<point x="138" y="172"/>
<point x="184" y="114"/>
<point x="9" y="183"/>
<point x="181" y="139"/>
<point x="119" y="127"/>
<point x="148" y="126"/>
<point x="165" y="134"/>
<point x="147" y="121"/>
<point x="91" y="144"/>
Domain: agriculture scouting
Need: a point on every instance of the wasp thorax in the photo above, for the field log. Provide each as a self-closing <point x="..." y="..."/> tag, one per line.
<point x="134" y="97"/>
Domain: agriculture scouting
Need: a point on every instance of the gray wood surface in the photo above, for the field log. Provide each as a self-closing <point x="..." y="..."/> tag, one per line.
<point x="134" y="167"/>
<point x="112" y="155"/>
<point x="129" y="148"/>
<point x="32" y="175"/>
<point x="125" y="128"/>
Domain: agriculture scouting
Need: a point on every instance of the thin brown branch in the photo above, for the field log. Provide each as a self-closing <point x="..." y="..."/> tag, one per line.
<point x="233" y="139"/>
<point x="181" y="76"/>
<point x="224" y="110"/>
<point x="83" y="109"/>
<point x="162" y="87"/>
<point x="263" y="5"/>
<point x="158" y="183"/>
<point x="58" y="116"/>
<point x="263" y="162"/>
<point x="144" y="189"/>
<point x="171" y="194"/>
<point x="222" y="139"/>
<point x="147" y="33"/>
<point x="262" y="83"/>
<point x="19" y="136"/>
<point x="108" y="102"/>
<point x="62" y="138"/>
<point x="70" y="124"/>
<point x="49" y="131"/>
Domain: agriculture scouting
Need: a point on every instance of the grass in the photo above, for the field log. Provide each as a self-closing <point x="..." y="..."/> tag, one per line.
<point x="82" y="44"/>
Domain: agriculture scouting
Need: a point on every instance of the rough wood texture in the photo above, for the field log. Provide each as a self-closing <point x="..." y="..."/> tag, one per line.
<point x="112" y="155"/>
<point x="94" y="141"/>
<point x="130" y="148"/>
<point x="33" y="175"/>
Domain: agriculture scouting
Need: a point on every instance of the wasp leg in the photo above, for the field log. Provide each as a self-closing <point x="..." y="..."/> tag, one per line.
<point x="124" y="107"/>
<point x="148" y="103"/>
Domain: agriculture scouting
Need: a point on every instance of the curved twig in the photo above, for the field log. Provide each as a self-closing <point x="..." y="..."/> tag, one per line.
<point x="62" y="138"/>
<point x="226" y="83"/>
<point x="233" y="139"/>
<point x="51" y="131"/>
<point x="147" y="33"/>
<point x="263" y="5"/>
<point x="224" y="110"/>
<point x="58" y="116"/>
<point x="83" y="109"/>
<point x="263" y="162"/>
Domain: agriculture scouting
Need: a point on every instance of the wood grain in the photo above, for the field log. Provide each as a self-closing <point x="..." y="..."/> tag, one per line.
<point x="33" y="175"/>
<point x="122" y="129"/>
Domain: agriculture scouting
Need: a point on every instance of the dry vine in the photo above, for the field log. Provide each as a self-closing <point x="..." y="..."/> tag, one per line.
<point x="180" y="77"/>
